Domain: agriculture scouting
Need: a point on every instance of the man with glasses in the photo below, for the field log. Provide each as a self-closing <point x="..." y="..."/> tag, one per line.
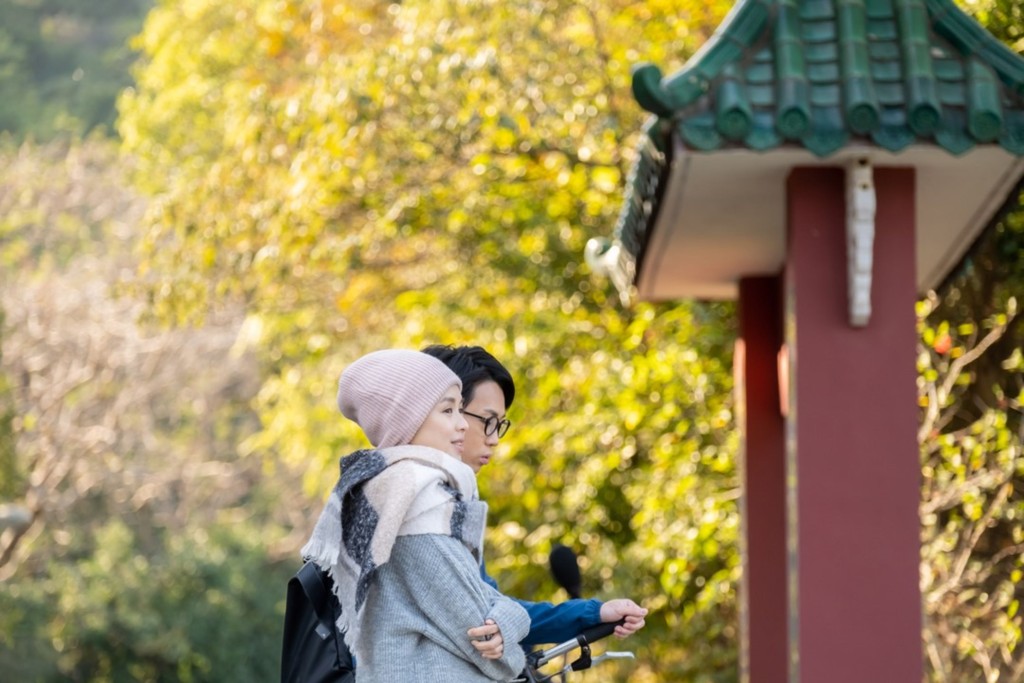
<point x="487" y="393"/>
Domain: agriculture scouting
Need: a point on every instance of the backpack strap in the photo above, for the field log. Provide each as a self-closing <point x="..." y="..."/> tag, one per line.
<point x="312" y="579"/>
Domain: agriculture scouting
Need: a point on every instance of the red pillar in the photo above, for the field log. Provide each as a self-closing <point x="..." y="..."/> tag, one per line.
<point x="852" y="460"/>
<point x="763" y="480"/>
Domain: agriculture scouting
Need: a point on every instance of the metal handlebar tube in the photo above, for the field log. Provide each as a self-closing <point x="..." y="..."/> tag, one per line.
<point x="613" y="655"/>
<point x="582" y="641"/>
<point x="591" y="635"/>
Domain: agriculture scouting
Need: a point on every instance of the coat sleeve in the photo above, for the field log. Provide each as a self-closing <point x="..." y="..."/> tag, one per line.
<point x="551" y="623"/>
<point x="444" y="582"/>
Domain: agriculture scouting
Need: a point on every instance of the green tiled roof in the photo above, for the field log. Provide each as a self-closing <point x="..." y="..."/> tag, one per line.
<point x="824" y="73"/>
<point x="821" y="75"/>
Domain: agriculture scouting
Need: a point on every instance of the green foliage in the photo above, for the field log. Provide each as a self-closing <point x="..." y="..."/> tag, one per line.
<point x="973" y="496"/>
<point x="972" y="397"/>
<point x="1003" y="18"/>
<point x="63" y="63"/>
<point x="301" y="140"/>
<point x="973" y="301"/>
<point x="194" y="609"/>
<point x="360" y="174"/>
<point x="49" y="216"/>
<point x="363" y="174"/>
<point x="11" y="478"/>
<point x="150" y="551"/>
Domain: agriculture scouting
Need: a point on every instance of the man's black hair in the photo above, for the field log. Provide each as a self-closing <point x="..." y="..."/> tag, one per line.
<point x="474" y="365"/>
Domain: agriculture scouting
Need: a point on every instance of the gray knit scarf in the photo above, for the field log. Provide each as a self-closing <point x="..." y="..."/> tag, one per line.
<point x="383" y="494"/>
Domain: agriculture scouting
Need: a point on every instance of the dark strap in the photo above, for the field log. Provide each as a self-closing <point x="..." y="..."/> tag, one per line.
<point x="312" y="581"/>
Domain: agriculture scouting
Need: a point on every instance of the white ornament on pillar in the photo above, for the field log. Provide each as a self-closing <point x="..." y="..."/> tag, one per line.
<point x="860" y="238"/>
<point x="607" y="259"/>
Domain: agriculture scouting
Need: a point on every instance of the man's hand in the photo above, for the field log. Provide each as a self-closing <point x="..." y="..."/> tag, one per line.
<point x="488" y="641"/>
<point x="620" y="608"/>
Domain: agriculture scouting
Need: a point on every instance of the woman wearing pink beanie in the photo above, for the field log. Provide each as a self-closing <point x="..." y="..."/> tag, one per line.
<point x="402" y="533"/>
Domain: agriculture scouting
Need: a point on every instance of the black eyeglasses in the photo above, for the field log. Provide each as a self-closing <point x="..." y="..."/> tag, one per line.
<point x="491" y="424"/>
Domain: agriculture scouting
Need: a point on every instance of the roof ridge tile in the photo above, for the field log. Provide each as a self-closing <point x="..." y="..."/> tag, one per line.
<point x="888" y="72"/>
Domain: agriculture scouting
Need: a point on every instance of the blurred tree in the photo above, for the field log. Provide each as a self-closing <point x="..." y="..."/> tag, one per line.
<point x="991" y="275"/>
<point x="971" y="391"/>
<point x="149" y="549"/>
<point x="1003" y="18"/>
<point x="362" y="174"/>
<point x="200" y="604"/>
<point x="10" y="481"/>
<point x="359" y="174"/>
<point x="993" y="271"/>
<point x="63" y="63"/>
<point x="972" y="500"/>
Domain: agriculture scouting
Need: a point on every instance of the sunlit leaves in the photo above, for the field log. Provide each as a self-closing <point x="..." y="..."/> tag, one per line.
<point x="971" y="505"/>
<point x="431" y="173"/>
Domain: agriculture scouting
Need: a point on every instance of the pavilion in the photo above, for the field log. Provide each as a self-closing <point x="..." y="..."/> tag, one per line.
<point x="825" y="162"/>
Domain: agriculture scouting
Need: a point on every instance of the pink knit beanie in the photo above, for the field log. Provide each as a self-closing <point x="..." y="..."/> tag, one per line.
<point x="389" y="393"/>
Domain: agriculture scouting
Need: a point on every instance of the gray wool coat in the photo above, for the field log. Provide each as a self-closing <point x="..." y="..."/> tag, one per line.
<point x="418" y="611"/>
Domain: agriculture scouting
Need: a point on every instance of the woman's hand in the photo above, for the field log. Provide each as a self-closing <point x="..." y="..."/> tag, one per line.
<point x="487" y="640"/>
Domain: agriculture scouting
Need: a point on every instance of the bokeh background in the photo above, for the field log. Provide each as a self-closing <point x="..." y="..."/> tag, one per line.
<point x="209" y="207"/>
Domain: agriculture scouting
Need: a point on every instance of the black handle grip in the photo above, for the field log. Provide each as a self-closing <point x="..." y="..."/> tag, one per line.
<point x="595" y="633"/>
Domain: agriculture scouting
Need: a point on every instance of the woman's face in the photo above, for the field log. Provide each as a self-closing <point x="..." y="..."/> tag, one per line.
<point x="445" y="427"/>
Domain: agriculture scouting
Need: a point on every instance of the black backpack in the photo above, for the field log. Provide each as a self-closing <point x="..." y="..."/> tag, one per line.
<point x="314" y="651"/>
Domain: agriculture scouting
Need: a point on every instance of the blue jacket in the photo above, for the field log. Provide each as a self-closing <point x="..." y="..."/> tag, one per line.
<point x="550" y="623"/>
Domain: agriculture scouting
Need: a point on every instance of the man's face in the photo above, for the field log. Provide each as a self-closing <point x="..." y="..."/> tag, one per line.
<point x="488" y="401"/>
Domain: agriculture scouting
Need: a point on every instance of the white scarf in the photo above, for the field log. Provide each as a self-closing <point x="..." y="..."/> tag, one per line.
<point x="383" y="494"/>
